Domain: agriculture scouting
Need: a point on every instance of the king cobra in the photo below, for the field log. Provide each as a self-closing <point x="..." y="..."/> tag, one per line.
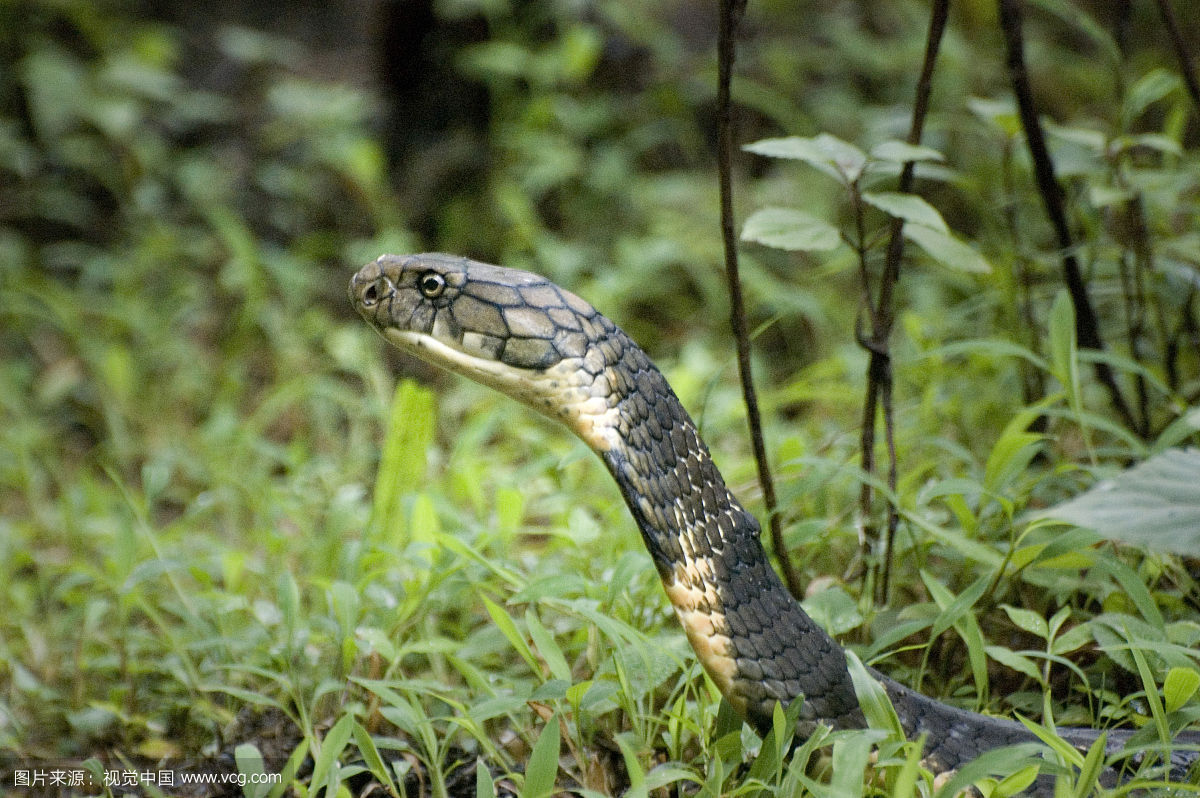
<point x="523" y="335"/>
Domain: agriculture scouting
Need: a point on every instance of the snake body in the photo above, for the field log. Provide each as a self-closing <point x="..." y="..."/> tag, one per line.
<point x="527" y="337"/>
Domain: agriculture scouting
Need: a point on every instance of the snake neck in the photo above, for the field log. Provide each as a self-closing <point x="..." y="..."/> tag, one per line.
<point x="748" y="632"/>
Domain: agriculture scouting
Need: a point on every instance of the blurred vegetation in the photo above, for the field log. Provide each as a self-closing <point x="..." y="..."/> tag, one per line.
<point x="213" y="497"/>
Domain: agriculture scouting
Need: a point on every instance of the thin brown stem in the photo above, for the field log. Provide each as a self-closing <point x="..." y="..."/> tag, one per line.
<point x="731" y="12"/>
<point x="879" y="370"/>
<point x="1187" y="64"/>
<point x="1087" y="326"/>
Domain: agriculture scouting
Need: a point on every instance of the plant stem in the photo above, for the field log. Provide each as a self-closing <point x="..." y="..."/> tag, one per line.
<point x="880" y="381"/>
<point x="1187" y="65"/>
<point x="731" y="12"/>
<point x="1087" y="326"/>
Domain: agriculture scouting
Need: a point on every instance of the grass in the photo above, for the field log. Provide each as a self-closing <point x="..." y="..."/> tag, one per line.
<point x="481" y="597"/>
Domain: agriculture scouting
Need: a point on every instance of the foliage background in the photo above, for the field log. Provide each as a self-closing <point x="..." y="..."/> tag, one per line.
<point x="193" y="519"/>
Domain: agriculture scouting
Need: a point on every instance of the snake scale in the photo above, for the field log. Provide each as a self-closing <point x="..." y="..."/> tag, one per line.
<point x="534" y="341"/>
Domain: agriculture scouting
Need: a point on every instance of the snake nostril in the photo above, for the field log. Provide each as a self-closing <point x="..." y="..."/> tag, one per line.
<point x="371" y="295"/>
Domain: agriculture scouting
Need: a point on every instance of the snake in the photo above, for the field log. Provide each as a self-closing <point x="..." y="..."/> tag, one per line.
<point x="542" y="345"/>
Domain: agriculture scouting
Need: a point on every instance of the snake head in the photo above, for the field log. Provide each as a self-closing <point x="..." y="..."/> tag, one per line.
<point x="512" y="330"/>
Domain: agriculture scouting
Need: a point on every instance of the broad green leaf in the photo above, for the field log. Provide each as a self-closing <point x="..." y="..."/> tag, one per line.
<point x="904" y="785"/>
<point x="831" y="155"/>
<point x="542" y="768"/>
<point x="1179" y="687"/>
<point x="1008" y="760"/>
<point x="790" y="229"/>
<point x="344" y="602"/>
<point x="1015" y="783"/>
<point x="1028" y="620"/>
<point x="1155" y="504"/>
<point x="423" y="524"/>
<point x="324" y="769"/>
<point x="834" y="610"/>
<point x="873" y="699"/>
<point x="908" y="207"/>
<point x="1149" y="89"/>
<point x="848" y="765"/>
<point x="1009" y="457"/>
<point x="249" y="762"/>
<point x="633" y="765"/>
<point x="547" y="647"/>
<point x="903" y="152"/>
<point x="947" y="250"/>
<point x="1064" y="364"/>
<point x="664" y="774"/>
<point x="1011" y="659"/>
<point x="1150" y="689"/>
<point x="484" y="786"/>
<point x="370" y="755"/>
<point x="1072" y="639"/>
<point x="1147" y="141"/>
<point x="1001" y="113"/>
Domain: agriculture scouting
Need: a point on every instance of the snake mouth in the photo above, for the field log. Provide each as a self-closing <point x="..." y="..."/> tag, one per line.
<point x="451" y="353"/>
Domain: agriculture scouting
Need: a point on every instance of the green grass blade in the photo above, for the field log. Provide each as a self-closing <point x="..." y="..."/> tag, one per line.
<point x="370" y="755"/>
<point x="508" y="627"/>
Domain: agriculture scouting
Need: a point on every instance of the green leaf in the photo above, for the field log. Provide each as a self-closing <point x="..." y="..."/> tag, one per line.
<point x="250" y="764"/>
<point x="484" y="786"/>
<point x="1149" y="89"/>
<point x="947" y="250"/>
<point x="1010" y="456"/>
<point x="370" y="755"/>
<point x="1028" y="620"/>
<point x="790" y="229"/>
<point x="547" y="647"/>
<point x="1090" y="772"/>
<point x="1179" y="687"/>
<point x="331" y="748"/>
<point x="1016" y="782"/>
<point x="956" y="612"/>
<point x="1064" y="749"/>
<point x="633" y="765"/>
<point x="1064" y="364"/>
<point x="1072" y="639"/>
<point x="908" y="207"/>
<point x="903" y="152"/>
<point x="1155" y="504"/>
<point x="836" y="158"/>
<point x="1011" y="659"/>
<point x="848" y="764"/>
<point x="509" y="628"/>
<point x="834" y="610"/>
<point x="873" y="699"/>
<point x="542" y="768"/>
<point x="1179" y="430"/>
<point x="1001" y="113"/>
<point x="1150" y="688"/>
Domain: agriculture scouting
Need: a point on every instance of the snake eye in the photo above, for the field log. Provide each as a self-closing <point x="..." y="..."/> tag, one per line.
<point x="432" y="284"/>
